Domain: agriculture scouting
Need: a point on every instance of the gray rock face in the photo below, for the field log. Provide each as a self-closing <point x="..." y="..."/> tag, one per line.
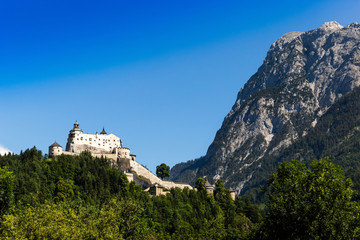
<point x="301" y="77"/>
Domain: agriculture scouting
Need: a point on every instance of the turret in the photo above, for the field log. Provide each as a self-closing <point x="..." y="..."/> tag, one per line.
<point x="209" y="188"/>
<point x="71" y="137"/>
<point x="55" y="150"/>
<point x="76" y="128"/>
<point x="103" y="132"/>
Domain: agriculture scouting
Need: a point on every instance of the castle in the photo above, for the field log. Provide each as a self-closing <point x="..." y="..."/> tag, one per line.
<point x="103" y="144"/>
<point x="110" y="146"/>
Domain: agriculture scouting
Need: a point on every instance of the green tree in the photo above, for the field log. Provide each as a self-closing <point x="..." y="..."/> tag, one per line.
<point x="64" y="189"/>
<point x="163" y="171"/>
<point x="222" y="196"/>
<point x="200" y="184"/>
<point x="7" y="180"/>
<point x="310" y="203"/>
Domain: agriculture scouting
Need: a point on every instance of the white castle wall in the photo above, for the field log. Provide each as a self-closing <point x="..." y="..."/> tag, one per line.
<point x="102" y="142"/>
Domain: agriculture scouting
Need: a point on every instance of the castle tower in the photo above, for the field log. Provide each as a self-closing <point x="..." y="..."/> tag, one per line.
<point x="209" y="188"/>
<point x="232" y="193"/>
<point x="73" y="132"/>
<point x="55" y="150"/>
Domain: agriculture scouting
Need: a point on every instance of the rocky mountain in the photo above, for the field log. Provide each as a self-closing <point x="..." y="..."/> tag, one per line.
<point x="303" y="75"/>
<point x="336" y="136"/>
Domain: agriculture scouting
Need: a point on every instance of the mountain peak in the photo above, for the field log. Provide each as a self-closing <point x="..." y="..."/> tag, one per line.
<point x="286" y="38"/>
<point x="302" y="75"/>
<point x="331" y="26"/>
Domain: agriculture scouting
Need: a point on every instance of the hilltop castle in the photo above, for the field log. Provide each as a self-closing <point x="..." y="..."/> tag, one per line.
<point x="103" y="144"/>
<point x="110" y="146"/>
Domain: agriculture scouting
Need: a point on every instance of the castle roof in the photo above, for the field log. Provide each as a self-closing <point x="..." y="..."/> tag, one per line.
<point x="231" y="190"/>
<point x="55" y="144"/>
<point x="103" y="132"/>
<point x="208" y="185"/>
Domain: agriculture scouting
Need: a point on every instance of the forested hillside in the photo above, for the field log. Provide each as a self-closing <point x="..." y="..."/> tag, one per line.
<point x="83" y="197"/>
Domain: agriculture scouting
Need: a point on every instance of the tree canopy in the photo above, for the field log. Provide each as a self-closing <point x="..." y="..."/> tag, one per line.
<point x="7" y="180"/>
<point x="84" y="197"/>
<point x="313" y="203"/>
<point x="163" y="171"/>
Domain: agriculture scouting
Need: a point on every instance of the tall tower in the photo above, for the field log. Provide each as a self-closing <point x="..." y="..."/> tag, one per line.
<point x="72" y="134"/>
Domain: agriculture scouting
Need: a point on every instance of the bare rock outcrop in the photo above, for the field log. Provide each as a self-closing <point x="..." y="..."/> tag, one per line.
<point x="303" y="74"/>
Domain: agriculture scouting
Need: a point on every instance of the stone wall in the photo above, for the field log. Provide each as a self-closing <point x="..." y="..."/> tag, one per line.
<point x="126" y="164"/>
<point x="78" y="142"/>
<point x="142" y="171"/>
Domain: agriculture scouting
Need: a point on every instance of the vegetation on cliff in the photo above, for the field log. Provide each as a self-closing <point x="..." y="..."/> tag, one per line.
<point x="336" y="135"/>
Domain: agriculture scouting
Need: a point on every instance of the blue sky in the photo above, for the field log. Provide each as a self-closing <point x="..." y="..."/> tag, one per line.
<point x="161" y="75"/>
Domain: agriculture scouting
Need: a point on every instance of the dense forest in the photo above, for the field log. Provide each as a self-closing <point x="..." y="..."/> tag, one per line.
<point x="82" y="197"/>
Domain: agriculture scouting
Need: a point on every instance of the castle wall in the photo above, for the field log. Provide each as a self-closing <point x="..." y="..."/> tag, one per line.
<point x="112" y="156"/>
<point x="127" y="163"/>
<point x="77" y="142"/>
<point x="142" y="171"/>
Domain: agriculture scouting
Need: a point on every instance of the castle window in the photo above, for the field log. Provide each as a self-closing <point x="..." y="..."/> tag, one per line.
<point x="81" y="138"/>
<point x="90" y="139"/>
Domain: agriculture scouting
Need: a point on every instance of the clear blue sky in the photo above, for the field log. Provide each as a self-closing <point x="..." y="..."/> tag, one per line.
<point x="161" y="75"/>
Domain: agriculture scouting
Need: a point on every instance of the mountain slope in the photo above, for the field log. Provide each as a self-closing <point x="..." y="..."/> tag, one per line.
<point x="302" y="75"/>
<point x="337" y="135"/>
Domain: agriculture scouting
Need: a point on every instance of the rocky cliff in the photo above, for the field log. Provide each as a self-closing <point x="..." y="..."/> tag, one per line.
<point x="303" y="74"/>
